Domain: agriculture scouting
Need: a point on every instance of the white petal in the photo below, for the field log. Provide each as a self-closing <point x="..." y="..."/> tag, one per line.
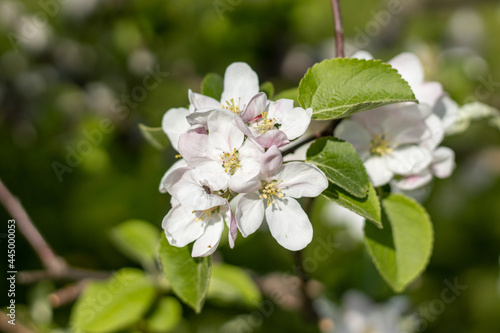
<point x="301" y="180"/>
<point x="353" y="132"/>
<point x="408" y="160"/>
<point x="429" y="93"/>
<point x="240" y="81"/>
<point x="201" y="101"/>
<point x="223" y="132"/>
<point x="413" y="182"/>
<point x="289" y="224"/>
<point x="174" y="124"/>
<point x="410" y="68"/>
<point x="249" y="213"/>
<point x="443" y="162"/>
<point x="279" y="108"/>
<point x="362" y="55"/>
<point x="191" y="191"/>
<point x="447" y="110"/>
<point x="271" y="162"/>
<point x="406" y="123"/>
<point x="173" y="175"/>
<point x="242" y="182"/>
<point x="194" y="149"/>
<point x="299" y="154"/>
<point x="231" y="224"/>
<point x="435" y="133"/>
<point x="378" y="171"/>
<point x="294" y="122"/>
<point x="180" y="226"/>
<point x="208" y="242"/>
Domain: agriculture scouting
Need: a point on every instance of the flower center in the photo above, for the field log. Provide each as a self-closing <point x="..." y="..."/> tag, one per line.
<point x="270" y="192"/>
<point x="265" y="124"/>
<point x="231" y="161"/>
<point x="380" y="146"/>
<point x="201" y="215"/>
<point x="232" y="106"/>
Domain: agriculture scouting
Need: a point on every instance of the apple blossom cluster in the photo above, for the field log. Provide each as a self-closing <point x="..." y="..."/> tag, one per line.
<point x="229" y="152"/>
<point x="400" y="143"/>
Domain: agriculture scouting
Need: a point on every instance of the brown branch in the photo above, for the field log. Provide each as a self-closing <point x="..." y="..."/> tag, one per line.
<point x="8" y="328"/>
<point x="28" y="229"/>
<point x="328" y="131"/>
<point x="339" y="29"/>
<point x="69" y="273"/>
<point x="67" y="294"/>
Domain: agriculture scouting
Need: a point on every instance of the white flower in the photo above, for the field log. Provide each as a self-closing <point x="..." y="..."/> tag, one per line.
<point x="199" y="211"/>
<point x="391" y="140"/>
<point x="274" y="199"/>
<point x="273" y="123"/>
<point x="223" y="152"/>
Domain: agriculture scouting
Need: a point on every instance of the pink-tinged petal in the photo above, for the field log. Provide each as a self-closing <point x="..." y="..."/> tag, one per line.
<point x="200" y="117"/>
<point x="413" y="182"/>
<point x="223" y="133"/>
<point x="408" y="160"/>
<point x="354" y="133"/>
<point x="243" y="126"/>
<point x="202" y="102"/>
<point x="280" y="108"/>
<point x="249" y="213"/>
<point x="255" y="107"/>
<point x="174" y="124"/>
<point x="271" y="162"/>
<point x="271" y="138"/>
<point x="231" y="223"/>
<point x="193" y="148"/>
<point x="429" y="93"/>
<point x="173" y="175"/>
<point x="194" y="191"/>
<point x="289" y="224"/>
<point x="435" y="132"/>
<point x="294" y="122"/>
<point x="377" y="171"/>
<point x="410" y="68"/>
<point x="297" y="179"/>
<point x="208" y="242"/>
<point x="180" y="226"/>
<point x="443" y="162"/>
<point x="240" y="81"/>
<point x="251" y="150"/>
<point x="199" y="129"/>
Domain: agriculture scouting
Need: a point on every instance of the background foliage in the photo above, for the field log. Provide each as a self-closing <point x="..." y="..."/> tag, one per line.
<point x="66" y="79"/>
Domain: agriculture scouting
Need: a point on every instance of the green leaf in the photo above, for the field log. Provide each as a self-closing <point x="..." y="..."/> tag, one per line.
<point x="368" y="207"/>
<point x="292" y="93"/>
<point x="268" y="88"/>
<point x="212" y="86"/>
<point x="401" y="250"/>
<point x="115" y="304"/>
<point x="230" y="284"/>
<point x="155" y="136"/>
<point x="340" y="163"/>
<point x="138" y="240"/>
<point x="188" y="276"/>
<point x="339" y="87"/>
<point x="166" y="316"/>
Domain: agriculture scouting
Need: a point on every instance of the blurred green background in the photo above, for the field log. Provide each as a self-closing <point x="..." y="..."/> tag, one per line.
<point x="67" y="65"/>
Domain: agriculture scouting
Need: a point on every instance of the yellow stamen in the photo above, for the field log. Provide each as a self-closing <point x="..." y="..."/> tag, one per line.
<point x="265" y="124"/>
<point x="380" y="146"/>
<point x="232" y="106"/>
<point x="270" y="192"/>
<point x="231" y="161"/>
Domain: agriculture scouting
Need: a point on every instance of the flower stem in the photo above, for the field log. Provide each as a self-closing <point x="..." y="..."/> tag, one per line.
<point x="339" y="29"/>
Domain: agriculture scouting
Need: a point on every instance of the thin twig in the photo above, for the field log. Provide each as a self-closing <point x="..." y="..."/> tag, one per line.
<point x="339" y="29"/>
<point x="28" y="229"/>
<point x="68" y="274"/>
<point x="326" y="132"/>
<point x="67" y="294"/>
